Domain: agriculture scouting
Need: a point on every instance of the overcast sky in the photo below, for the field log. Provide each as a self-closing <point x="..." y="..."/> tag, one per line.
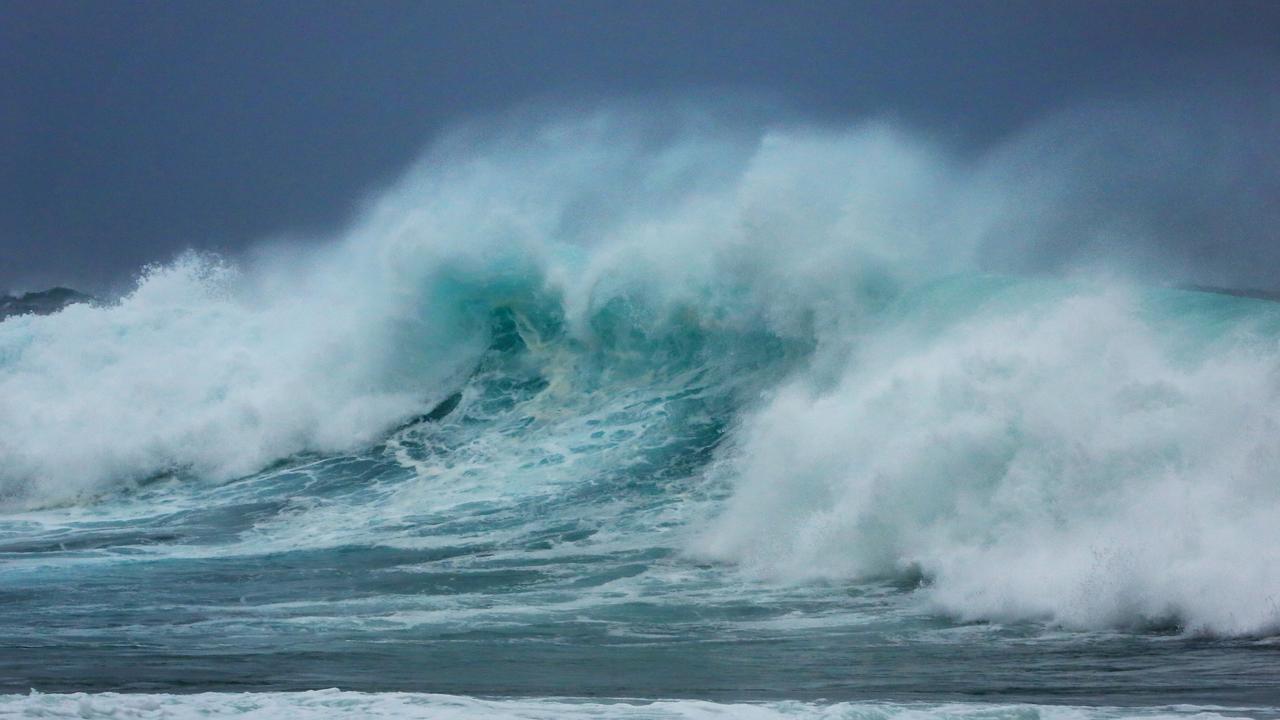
<point x="132" y="130"/>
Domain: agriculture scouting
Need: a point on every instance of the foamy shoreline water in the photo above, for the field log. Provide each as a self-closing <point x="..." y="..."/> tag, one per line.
<point x="325" y="704"/>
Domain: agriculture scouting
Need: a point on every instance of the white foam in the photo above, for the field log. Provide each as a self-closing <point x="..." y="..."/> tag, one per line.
<point x="192" y="370"/>
<point x="324" y="704"/>
<point x="1060" y="461"/>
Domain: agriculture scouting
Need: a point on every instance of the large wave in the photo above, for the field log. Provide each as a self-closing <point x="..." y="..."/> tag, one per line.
<point x="1082" y="451"/>
<point x="217" y="370"/>
<point x="1081" y="456"/>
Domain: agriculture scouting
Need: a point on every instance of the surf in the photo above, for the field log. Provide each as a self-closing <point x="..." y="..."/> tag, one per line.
<point x="781" y="354"/>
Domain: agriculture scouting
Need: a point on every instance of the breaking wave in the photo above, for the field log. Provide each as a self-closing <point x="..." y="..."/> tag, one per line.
<point x="886" y="401"/>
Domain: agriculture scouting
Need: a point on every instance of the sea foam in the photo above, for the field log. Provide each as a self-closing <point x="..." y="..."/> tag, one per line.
<point x="324" y="704"/>
<point x="1058" y="454"/>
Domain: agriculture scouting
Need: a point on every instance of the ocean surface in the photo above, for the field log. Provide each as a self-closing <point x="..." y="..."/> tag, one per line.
<point x="599" y="425"/>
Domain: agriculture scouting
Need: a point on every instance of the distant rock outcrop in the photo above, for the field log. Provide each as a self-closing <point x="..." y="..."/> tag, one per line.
<point x="1272" y="295"/>
<point x="40" y="303"/>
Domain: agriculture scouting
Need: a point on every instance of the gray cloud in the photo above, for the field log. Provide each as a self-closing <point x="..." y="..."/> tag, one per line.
<point x="132" y="131"/>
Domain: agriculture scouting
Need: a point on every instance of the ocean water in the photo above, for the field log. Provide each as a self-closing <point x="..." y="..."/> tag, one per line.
<point x="593" y="423"/>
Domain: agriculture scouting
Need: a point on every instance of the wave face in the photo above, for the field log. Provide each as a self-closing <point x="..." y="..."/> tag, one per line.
<point x="740" y="407"/>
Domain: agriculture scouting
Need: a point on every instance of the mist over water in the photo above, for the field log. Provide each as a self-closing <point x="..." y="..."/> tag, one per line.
<point x="716" y="381"/>
<point x="1176" y="187"/>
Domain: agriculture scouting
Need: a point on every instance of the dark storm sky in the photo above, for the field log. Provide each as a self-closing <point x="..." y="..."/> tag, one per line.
<point x="131" y="130"/>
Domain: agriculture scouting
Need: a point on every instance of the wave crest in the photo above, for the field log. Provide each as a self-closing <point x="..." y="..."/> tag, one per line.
<point x="1078" y="458"/>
